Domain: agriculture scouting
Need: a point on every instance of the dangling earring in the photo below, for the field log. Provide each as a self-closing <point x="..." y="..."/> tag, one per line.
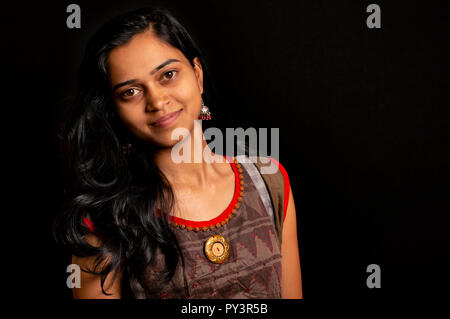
<point x="205" y="114"/>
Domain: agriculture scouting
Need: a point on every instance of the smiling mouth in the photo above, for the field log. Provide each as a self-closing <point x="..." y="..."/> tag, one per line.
<point x="168" y="119"/>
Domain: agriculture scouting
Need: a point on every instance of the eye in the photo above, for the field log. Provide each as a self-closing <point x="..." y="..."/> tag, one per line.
<point x="129" y="93"/>
<point x="169" y="75"/>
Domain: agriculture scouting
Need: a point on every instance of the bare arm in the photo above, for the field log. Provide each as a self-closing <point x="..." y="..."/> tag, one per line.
<point x="291" y="279"/>
<point x="90" y="283"/>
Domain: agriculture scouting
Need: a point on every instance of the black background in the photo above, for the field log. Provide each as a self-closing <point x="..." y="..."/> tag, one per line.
<point x="363" y="117"/>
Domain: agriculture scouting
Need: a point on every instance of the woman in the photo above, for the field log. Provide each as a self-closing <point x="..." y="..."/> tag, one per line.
<point x="139" y="223"/>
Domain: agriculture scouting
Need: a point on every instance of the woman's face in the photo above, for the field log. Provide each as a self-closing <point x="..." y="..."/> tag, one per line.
<point x="155" y="88"/>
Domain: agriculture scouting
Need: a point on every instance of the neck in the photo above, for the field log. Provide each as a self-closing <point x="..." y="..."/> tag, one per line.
<point x="186" y="163"/>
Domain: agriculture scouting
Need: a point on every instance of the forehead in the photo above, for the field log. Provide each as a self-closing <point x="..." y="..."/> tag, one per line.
<point x="139" y="56"/>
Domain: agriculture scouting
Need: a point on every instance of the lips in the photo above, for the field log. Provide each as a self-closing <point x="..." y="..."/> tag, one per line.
<point x="168" y="119"/>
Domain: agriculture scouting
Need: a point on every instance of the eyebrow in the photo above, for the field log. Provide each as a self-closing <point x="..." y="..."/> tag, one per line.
<point x="159" y="67"/>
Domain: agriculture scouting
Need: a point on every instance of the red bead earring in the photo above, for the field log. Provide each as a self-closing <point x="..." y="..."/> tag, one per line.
<point x="205" y="114"/>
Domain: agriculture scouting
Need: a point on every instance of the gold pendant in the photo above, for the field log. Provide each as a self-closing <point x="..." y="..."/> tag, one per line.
<point x="217" y="249"/>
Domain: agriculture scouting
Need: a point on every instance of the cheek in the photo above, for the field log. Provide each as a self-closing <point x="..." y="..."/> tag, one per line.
<point x="189" y="95"/>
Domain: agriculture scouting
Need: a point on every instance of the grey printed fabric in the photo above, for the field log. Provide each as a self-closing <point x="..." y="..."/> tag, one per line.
<point x="258" y="181"/>
<point x="253" y="268"/>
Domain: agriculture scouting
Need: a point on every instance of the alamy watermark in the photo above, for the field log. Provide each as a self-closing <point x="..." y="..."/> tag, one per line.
<point x="73" y="20"/>
<point x="373" y="21"/>
<point x="374" y="279"/>
<point x="74" y="279"/>
<point x="258" y="144"/>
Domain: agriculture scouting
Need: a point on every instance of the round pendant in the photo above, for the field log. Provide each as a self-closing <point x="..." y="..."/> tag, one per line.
<point x="217" y="249"/>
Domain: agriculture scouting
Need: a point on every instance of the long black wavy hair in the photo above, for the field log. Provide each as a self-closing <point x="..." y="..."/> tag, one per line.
<point x="117" y="190"/>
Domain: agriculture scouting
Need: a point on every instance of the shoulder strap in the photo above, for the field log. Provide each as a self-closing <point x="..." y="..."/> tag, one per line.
<point x="277" y="184"/>
<point x="260" y="185"/>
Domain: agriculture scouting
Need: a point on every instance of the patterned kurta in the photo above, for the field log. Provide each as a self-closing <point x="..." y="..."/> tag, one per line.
<point x="253" y="268"/>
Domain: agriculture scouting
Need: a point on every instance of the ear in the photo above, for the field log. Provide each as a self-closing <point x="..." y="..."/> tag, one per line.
<point x="198" y="73"/>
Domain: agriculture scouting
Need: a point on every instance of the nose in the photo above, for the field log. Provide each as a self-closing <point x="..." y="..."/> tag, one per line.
<point x="156" y="99"/>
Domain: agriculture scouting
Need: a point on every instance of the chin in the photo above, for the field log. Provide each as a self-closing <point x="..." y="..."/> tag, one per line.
<point x="162" y="137"/>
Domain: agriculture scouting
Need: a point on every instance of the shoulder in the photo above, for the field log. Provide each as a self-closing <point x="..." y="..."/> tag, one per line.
<point x="269" y="166"/>
<point x="276" y="179"/>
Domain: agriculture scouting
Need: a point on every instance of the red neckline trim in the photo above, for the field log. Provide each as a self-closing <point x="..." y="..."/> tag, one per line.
<point x="222" y="216"/>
